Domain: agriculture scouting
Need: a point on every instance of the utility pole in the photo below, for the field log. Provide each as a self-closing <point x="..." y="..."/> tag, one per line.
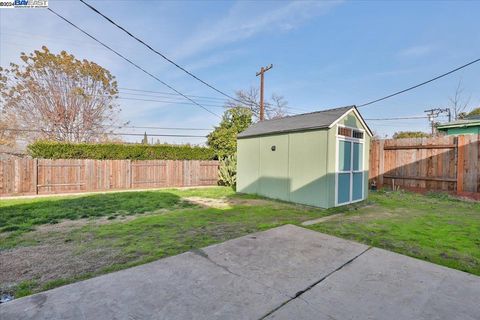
<point x="434" y="113"/>
<point x="449" y="114"/>
<point x="261" y="74"/>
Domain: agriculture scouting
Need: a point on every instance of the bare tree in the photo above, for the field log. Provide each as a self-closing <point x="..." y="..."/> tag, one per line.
<point x="58" y="97"/>
<point x="458" y="104"/>
<point x="7" y="137"/>
<point x="275" y="108"/>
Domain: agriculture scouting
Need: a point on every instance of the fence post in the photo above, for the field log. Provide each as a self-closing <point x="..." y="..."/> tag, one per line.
<point x="130" y="175"/>
<point x="460" y="162"/>
<point x="16" y="177"/>
<point x="184" y="172"/>
<point x="35" y="175"/>
<point x="381" y="163"/>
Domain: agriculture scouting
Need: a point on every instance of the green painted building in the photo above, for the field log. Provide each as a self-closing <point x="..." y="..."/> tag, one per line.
<point x="470" y="125"/>
<point x="319" y="158"/>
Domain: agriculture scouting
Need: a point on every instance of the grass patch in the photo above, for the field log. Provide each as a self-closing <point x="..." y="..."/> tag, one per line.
<point x="21" y="216"/>
<point x="25" y="288"/>
<point x="436" y="227"/>
<point x="172" y="226"/>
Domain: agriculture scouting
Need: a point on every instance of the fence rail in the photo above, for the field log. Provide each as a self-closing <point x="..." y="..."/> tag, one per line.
<point x="442" y="163"/>
<point x="40" y="176"/>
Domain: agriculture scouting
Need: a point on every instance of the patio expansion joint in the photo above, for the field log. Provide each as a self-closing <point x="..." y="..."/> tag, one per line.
<point x="299" y="294"/>
<point x="203" y="254"/>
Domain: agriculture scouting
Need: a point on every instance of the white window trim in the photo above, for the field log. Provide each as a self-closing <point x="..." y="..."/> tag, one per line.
<point x="359" y="117"/>
<point x="339" y="136"/>
<point x="351" y="171"/>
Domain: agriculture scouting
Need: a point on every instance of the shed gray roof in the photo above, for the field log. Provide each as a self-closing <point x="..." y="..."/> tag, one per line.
<point x="301" y="122"/>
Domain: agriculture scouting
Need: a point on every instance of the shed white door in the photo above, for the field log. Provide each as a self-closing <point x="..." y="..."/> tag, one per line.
<point x="349" y="176"/>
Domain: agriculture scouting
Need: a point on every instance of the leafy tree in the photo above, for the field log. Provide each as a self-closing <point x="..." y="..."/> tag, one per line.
<point x="474" y="112"/>
<point x="224" y="138"/>
<point x="64" y="98"/>
<point x="410" y="134"/>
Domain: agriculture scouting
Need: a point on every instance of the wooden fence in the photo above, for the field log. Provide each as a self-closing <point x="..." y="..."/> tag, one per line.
<point x="38" y="176"/>
<point x="445" y="163"/>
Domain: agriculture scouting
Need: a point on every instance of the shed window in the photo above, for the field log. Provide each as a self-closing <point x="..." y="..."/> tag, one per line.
<point x="342" y="131"/>
<point x="347" y="132"/>
<point x="357" y="134"/>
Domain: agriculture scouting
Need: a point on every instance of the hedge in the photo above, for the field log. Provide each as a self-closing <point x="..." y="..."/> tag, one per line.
<point x="56" y="150"/>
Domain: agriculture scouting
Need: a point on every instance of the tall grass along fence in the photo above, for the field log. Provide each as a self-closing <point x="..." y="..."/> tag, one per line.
<point x="25" y="176"/>
<point x="439" y="164"/>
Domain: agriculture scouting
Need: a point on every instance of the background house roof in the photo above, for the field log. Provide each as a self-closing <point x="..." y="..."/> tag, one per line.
<point x="473" y="121"/>
<point x="306" y="121"/>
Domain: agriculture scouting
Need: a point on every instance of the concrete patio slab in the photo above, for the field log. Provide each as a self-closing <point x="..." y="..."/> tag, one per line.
<point x="384" y="285"/>
<point x="244" y="278"/>
<point x="288" y="258"/>
<point x="186" y="286"/>
<point x="283" y="273"/>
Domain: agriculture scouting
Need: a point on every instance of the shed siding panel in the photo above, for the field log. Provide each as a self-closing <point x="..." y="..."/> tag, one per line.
<point x="308" y="168"/>
<point x="274" y="180"/>
<point x="248" y="165"/>
<point x="351" y="120"/>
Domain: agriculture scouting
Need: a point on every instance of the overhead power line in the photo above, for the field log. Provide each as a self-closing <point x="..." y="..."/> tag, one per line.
<point x="110" y="133"/>
<point x="169" y="102"/>
<point x="130" y="61"/>
<point x="157" y="52"/>
<point x="420" y="84"/>
<point x="155" y="100"/>
<point x="195" y="96"/>
<point x="397" y="118"/>
<point x="397" y="125"/>
<point x="163" y="94"/>
<point x="162" y="128"/>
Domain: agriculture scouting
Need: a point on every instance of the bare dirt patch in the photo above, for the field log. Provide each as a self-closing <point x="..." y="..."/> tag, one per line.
<point x="57" y="255"/>
<point x="50" y="262"/>
<point x="322" y="219"/>
<point x="208" y="202"/>
<point x="69" y="225"/>
<point x="373" y="213"/>
<point x="226" y="203"/>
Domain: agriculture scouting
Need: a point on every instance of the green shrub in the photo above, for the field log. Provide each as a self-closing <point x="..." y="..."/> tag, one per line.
<point x="227" y="172"/>
<point x="57" y="150"/>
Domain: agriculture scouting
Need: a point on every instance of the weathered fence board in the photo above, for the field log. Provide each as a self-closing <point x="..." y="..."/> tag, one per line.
<point x="41" y="176"/>
<point x="445" y="163"/>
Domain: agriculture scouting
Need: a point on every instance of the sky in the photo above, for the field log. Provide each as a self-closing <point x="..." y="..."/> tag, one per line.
<point x="325" y="54"/>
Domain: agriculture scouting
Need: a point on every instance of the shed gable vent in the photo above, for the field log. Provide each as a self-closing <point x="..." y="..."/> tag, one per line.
<point x="348" y="132"/>
<point x="357" y="134"/>
<point x="342" y="131"/>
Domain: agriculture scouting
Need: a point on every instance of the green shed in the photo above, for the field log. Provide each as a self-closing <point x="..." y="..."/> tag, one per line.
<point x="319" y="158"/>
<point x="470" y="125"/>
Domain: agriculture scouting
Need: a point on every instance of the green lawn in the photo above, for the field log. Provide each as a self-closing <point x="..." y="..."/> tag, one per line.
<point x="47" y="242"/>
<point x="114" y="231"/>
<point x="22" y="215"/>
<point x="435" y="227"/>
